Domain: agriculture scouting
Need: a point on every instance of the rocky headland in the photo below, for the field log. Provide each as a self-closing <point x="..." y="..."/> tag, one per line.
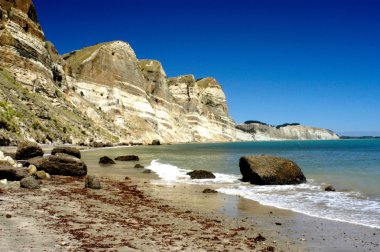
<point x="104" y="95"/>
<point x="289" y="131"/>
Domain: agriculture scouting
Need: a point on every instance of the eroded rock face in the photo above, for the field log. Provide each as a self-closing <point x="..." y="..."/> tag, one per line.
<point x="143" y="102"/>
<point x="264" y="132"/>
<point x="23" y="48"/>
<point x="269" y="170"/>
<point x="103" y="93"/>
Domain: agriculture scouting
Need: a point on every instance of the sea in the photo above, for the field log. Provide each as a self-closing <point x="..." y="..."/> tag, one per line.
<point x="351" y="166"/>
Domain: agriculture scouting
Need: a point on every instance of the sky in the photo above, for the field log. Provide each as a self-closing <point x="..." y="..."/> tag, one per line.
<point x="312" y="62"/>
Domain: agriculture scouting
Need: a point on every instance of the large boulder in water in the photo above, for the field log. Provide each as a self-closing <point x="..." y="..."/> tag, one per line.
<point x="201" y="174"/>
<point x="72" y="151"/>
<point x="64" y="165"/>
<point x="27" y="150"/>
<point x="269" y="170"/>
<point x="106" y="161"/>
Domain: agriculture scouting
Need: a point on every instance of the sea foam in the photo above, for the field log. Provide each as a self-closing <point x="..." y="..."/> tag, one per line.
<point x="308" y="198"/>
<point x="170" y="174"/>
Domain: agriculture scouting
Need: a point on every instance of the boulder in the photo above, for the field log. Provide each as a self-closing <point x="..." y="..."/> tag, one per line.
<point x="270" y="170"/>
<point x="72" y="151"/>
<point x="156" y="142"/>
<point x="127" y="158"/>
<point x="27" y="150"/>
<point x="12" y="173"/>
<point x="29" y="183"/>
<point x="62" y="164"/>
<point x="147" y="171"/>
<point x="330" y="188"/>
<point x="209" y="191"/>
<point x="139" y="166"/>
<point x="92" y="182"/>
<point x="106" y="161"/>
<point x="201" y="174"/>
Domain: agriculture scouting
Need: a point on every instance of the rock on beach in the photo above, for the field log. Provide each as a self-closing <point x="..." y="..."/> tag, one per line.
<point x="270" y="170"/>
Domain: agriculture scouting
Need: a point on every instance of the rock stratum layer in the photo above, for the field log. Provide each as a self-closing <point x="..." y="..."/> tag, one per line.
<point x="99" y="95"/>
<point x="265" y="132"/>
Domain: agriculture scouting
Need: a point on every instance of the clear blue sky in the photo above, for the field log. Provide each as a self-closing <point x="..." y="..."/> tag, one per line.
<point x="316" y="62"/>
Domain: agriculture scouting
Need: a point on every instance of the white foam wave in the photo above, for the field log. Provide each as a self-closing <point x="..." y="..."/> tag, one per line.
<point x="170" y="174"/>
<point x="312" y="200"/>
<point x="308" y="198"/>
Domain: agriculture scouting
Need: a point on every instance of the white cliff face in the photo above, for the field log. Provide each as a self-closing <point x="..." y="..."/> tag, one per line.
<point x="261" y="132"/>
<point x="104" y="93"/>
<point x="142" y="101"/>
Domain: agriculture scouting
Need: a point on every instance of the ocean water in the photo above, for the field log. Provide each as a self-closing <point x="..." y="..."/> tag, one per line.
<point x="351" y="166"/>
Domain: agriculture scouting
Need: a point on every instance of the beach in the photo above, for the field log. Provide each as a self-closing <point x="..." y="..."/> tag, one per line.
<point x="135" y="212"/>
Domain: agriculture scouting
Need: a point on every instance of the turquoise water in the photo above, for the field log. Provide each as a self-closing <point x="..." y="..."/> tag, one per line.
<point x="351" y="166"/>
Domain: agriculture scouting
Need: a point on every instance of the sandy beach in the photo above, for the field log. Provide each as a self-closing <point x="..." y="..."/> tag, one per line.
<point x="132" y="212"/>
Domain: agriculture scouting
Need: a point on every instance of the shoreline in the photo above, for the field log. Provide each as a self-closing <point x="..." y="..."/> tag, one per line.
<point x="285" y="230"/>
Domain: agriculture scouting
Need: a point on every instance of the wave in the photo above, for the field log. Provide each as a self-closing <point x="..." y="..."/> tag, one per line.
<point x="308" y="198"/>
<point x="170" y="174"/>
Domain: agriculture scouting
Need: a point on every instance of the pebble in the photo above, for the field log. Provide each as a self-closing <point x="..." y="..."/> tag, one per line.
<point x="32" y="169"/>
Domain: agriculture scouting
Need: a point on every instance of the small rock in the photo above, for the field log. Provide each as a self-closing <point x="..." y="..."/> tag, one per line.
<point x="201" y="174"/>
<point x="147" y="171"/>
<point x="8" y="216"/>
<point x="106" y="161"/>
<point x="330" y="188"/>
<point x="92" y="182"/>
<point x="14" y="184"/>
<point x="139" y="166"/>
<point x="4" y="182"/>
<point x="278" y="223"/>
<point x="128" y="158"/>
<point x="9" y="160"/>
<point x="32" y="169"/>
<point x="29" y="183"/>
<point x="45" y="190"/>
<point x="209" y="191"/>
<point x="1" y="155"/>
<point x="42" y="175"/>
<point x="156" y="142"/>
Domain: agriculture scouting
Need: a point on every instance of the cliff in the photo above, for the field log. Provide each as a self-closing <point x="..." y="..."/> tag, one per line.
<point x="104" y="93"/>
<point x="144" y="103"/>
<point x="264" y="132"/>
